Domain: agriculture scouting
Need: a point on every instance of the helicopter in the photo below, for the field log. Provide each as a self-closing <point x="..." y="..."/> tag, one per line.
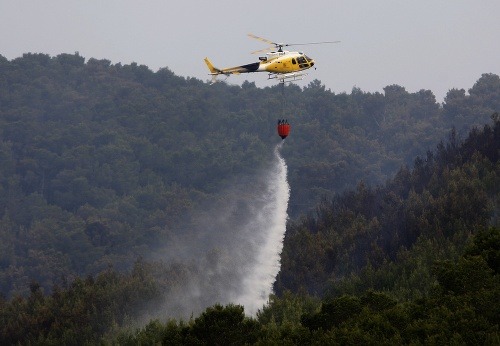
<point x="282" y="65"/>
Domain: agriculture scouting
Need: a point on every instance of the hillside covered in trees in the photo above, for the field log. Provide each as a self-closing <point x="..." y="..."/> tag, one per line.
<point x="413" y="261"/>
<point x="102" y="163"/>
<point x="420" y="216"/>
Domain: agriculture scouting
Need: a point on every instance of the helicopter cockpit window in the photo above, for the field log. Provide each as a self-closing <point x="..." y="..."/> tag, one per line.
<point x="301" y="60"/>
<point x="293" y="61"/>
<point x="308" y="58"/>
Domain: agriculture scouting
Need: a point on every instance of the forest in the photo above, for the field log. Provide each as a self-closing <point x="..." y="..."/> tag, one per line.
<point x="393" y="234"/>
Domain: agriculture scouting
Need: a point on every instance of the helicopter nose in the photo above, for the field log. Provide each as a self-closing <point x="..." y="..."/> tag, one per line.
<point x="312" y="63"/>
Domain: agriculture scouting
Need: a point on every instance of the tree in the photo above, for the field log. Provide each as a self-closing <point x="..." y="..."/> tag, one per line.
<point x="227" y="325"/>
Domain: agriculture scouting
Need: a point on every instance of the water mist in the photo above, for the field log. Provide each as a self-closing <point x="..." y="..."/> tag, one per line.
<point x="230" y="253"/>
<point x="271" y="220"/>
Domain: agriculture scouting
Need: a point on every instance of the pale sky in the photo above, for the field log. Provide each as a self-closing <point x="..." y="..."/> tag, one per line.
<point x="427" y="44"/>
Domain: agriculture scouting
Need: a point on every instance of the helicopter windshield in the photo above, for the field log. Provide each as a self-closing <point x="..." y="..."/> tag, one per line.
<point x="301" y="59"/>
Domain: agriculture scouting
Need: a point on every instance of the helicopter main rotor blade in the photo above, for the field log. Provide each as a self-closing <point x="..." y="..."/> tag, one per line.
<point x="262" y="39"/>
<point x="263" y="50"/>
<point x="276" y="45"/>
<point x="308" y="43"/>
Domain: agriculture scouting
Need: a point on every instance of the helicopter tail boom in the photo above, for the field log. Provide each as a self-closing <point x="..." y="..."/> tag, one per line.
<point x="214" y="71"/>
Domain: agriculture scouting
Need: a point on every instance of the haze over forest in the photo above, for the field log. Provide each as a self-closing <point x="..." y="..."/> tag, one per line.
<point x="122" y="193"/>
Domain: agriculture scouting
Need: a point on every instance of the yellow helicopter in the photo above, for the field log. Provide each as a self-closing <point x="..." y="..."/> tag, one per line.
<point x="282" y="65"/>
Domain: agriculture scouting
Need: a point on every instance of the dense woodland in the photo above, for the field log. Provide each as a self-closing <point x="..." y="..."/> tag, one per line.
<point x="394" y="233"/>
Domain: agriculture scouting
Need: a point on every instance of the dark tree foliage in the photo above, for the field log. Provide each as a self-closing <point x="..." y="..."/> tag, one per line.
<point x="438" y="204"/>
<point x="101" y="164"/>
<point x="461" y="309"/>
<point x="220" y="325"/>
<point x="80" y="312"/>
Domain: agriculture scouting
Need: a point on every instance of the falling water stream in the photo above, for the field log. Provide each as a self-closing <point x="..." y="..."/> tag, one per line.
<point x="272" y="218"/>
<point x="233" y="253"/>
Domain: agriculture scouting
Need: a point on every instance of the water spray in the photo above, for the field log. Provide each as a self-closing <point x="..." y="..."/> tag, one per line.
<point x="232" y="253"/>
<point x="257" y="285"/>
